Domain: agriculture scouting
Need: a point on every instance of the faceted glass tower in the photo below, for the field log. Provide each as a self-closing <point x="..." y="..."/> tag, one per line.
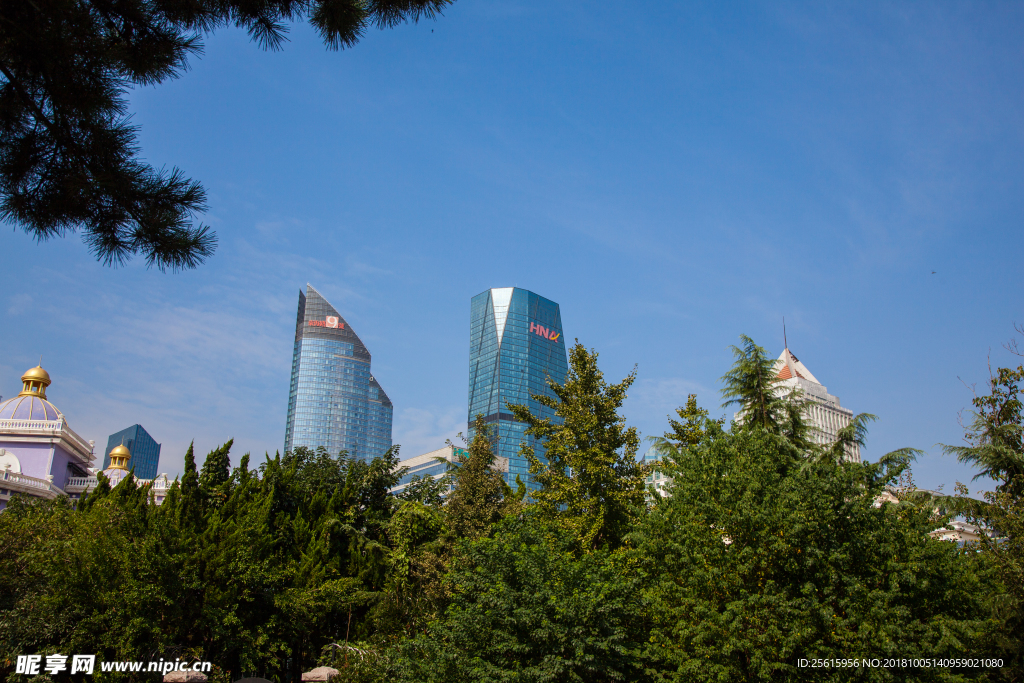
<point x="515" y="345"/>
<point x="334" y="401"/>
<point x="144" y="449"/>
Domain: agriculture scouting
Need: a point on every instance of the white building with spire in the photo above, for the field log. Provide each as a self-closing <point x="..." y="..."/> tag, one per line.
<point x="825" y="415"/>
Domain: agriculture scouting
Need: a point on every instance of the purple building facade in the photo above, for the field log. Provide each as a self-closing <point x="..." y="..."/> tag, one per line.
<point x="40" y="455"/>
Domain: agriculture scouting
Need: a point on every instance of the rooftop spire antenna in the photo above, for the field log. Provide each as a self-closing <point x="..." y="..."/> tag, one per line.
<point x="784" y="341"/>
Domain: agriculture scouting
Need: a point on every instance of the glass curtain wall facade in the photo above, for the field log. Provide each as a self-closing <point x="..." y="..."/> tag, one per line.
<point x="334" y="401"/>
<point x="144" y="449"/>
<point x="515" y="345"/>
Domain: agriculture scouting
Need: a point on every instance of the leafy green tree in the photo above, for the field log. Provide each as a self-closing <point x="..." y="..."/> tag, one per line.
<point x="426" y="490"/>
<point x="68" y="154"/>
<point x="418" y="558"/>
<point x="995" y="433"/>
<point x="480" y="496"/>
<point x="425" y="533"/>
<point x="994" y="436"/>
<point x="527" y="607"/>
<point x="760" y="557"/>
<point x="590" y="480"/>
<point x="689" y="429"/>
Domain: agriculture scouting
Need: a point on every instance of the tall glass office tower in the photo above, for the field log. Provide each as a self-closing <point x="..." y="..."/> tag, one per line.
<point x="334" y="401"/>
<point x="144" y="449"/>
<point x="515" y="345"/>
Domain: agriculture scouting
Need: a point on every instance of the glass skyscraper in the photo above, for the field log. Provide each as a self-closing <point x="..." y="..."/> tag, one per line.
<point x="515" y="345"/>
<point x="334" y="401"/>
<point x="144" y="449"/>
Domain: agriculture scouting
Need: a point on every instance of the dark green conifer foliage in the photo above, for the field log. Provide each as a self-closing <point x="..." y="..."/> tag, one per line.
<point x="190" y="506"/>
<point x="217" y="467"/>
<point x="68" y="153"/>
<point x="995" y="433"/>
<point x="752" y="384"/>
<point x="591" y="481"/>
<point x="215" y="477"/>
<point x="101" y="491"/>
<point x="258" y="584"/>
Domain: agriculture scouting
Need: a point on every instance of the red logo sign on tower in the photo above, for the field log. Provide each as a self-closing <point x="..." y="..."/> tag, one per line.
<point x="548" y="334"/>
<point x="330" y="321"/>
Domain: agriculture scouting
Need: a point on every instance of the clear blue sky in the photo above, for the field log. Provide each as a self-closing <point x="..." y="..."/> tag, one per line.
<point x="672" y="174"/>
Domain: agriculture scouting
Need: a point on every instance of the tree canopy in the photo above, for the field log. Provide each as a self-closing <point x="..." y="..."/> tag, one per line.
<point x="589" y="477"/>
<point x="765" y="551"/>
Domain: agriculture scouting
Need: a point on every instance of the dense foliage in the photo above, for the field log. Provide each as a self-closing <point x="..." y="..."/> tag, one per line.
<point x="995" y="443"/>
<point x="590" y="482"/>
<point x="756" y="560"/>
<point x="768" y="549"/>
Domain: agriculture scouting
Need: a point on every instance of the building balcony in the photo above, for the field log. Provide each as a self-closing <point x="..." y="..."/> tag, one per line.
<point x="32" y="486"/>
<point x="49" y="429"/>
<point x="80" y="485"/>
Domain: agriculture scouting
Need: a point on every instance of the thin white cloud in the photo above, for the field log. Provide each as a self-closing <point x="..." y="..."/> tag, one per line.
<point x="421" y="430"/>
<point x="19" y="303"/>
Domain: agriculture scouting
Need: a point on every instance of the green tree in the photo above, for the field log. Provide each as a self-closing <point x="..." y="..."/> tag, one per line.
<point x="526" y="607"/>
<point x="590" y="480"/>
<point x="68" y="154"/>
<point x="761" y="557"/>
<point x="752" y="384"/>
<point x="994" y="438"/>
<point x="296" y="555"/>
<point x="215" y="477"/>
<point x="480" y="496"/>
<point x="189" y="508"/>
<point x="690" y="429"/>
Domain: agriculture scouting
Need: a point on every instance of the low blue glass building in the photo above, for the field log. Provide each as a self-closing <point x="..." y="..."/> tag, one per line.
<point x="515" y="345"/>
<point x="334" y="401"/>
<point x="145" y="451"/>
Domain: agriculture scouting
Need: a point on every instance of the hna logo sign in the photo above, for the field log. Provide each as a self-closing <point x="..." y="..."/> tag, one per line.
<point x="328" y="321"/>
<point x="544" y="332"/>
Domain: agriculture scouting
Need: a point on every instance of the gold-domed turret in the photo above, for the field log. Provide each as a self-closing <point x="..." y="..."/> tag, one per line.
<point x="119" y="456"/>
<point x="34" y="382"/>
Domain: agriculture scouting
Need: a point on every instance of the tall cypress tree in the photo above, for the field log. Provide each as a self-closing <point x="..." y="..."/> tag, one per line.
<point x="190" y="507"/>
<point x="215" y="477"/>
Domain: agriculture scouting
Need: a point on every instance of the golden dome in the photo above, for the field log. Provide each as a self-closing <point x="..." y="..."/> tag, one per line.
<point x="34" y="382"/>
<point x="119" y="456"/>
<point x="36" y="373"/>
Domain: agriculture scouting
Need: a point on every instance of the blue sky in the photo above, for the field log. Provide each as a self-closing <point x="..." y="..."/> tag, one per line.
<point x="673" y="176"/>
